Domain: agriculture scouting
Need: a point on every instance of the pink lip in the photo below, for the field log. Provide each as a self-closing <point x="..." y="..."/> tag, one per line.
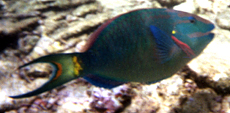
<point x="199" y="34"/>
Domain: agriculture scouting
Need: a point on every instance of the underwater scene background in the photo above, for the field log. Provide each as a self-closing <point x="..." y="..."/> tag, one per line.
<point x="33" y="28"/>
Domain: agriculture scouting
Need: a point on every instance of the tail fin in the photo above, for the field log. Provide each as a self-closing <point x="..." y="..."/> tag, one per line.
<point x="65" y="68"/>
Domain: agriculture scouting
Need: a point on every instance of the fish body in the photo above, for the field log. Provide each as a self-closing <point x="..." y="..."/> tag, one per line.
<point x="144" y="45"/>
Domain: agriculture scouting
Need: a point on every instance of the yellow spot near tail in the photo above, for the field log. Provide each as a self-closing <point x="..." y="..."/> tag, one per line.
<point x="59" y="70"/>
<point x="173" y="32"/>
<point x="77" y="66"/>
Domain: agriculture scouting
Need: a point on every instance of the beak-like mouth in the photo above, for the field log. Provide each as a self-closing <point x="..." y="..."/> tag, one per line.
<point x="201" y="34"/>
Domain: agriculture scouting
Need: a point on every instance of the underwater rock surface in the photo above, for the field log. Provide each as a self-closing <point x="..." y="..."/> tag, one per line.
<point x="33" y="28"/>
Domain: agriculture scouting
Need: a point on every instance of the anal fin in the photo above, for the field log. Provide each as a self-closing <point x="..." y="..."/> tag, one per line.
<point x="102" y="82"/>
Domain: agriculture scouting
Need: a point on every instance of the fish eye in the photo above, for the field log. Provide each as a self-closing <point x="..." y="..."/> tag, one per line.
<point x="192" y="19"/>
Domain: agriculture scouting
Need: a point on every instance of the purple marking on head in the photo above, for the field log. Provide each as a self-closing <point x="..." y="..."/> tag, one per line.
<point x="184" y="14"/>
<point x="198" y="34"/>
<point x="181" y="21"/>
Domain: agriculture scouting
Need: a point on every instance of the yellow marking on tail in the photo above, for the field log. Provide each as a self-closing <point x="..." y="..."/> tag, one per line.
<point x="59" y="71"/>
<point x="77" y="66"/>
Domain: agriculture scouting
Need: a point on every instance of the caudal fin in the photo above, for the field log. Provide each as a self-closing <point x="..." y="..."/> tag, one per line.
<point x="66" y="67"/>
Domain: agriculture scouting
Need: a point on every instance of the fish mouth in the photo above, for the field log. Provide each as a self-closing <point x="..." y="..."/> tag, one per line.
<point x="201" y="34"/>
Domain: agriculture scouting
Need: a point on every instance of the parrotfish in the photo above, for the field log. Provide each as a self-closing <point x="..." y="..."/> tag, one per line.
<point x="145" y="45"/>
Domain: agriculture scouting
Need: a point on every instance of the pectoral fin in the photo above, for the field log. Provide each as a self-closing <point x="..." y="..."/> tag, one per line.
<point x="166" y="47"/>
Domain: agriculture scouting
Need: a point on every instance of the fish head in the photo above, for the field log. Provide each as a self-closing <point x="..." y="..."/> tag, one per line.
<point x="193" y="30"/>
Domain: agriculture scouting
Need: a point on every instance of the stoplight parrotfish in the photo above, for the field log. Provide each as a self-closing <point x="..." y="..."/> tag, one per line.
<point x="144" y="45"/>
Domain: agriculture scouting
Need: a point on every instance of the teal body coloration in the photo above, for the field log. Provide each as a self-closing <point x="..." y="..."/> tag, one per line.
<point x="144" y="45"/>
